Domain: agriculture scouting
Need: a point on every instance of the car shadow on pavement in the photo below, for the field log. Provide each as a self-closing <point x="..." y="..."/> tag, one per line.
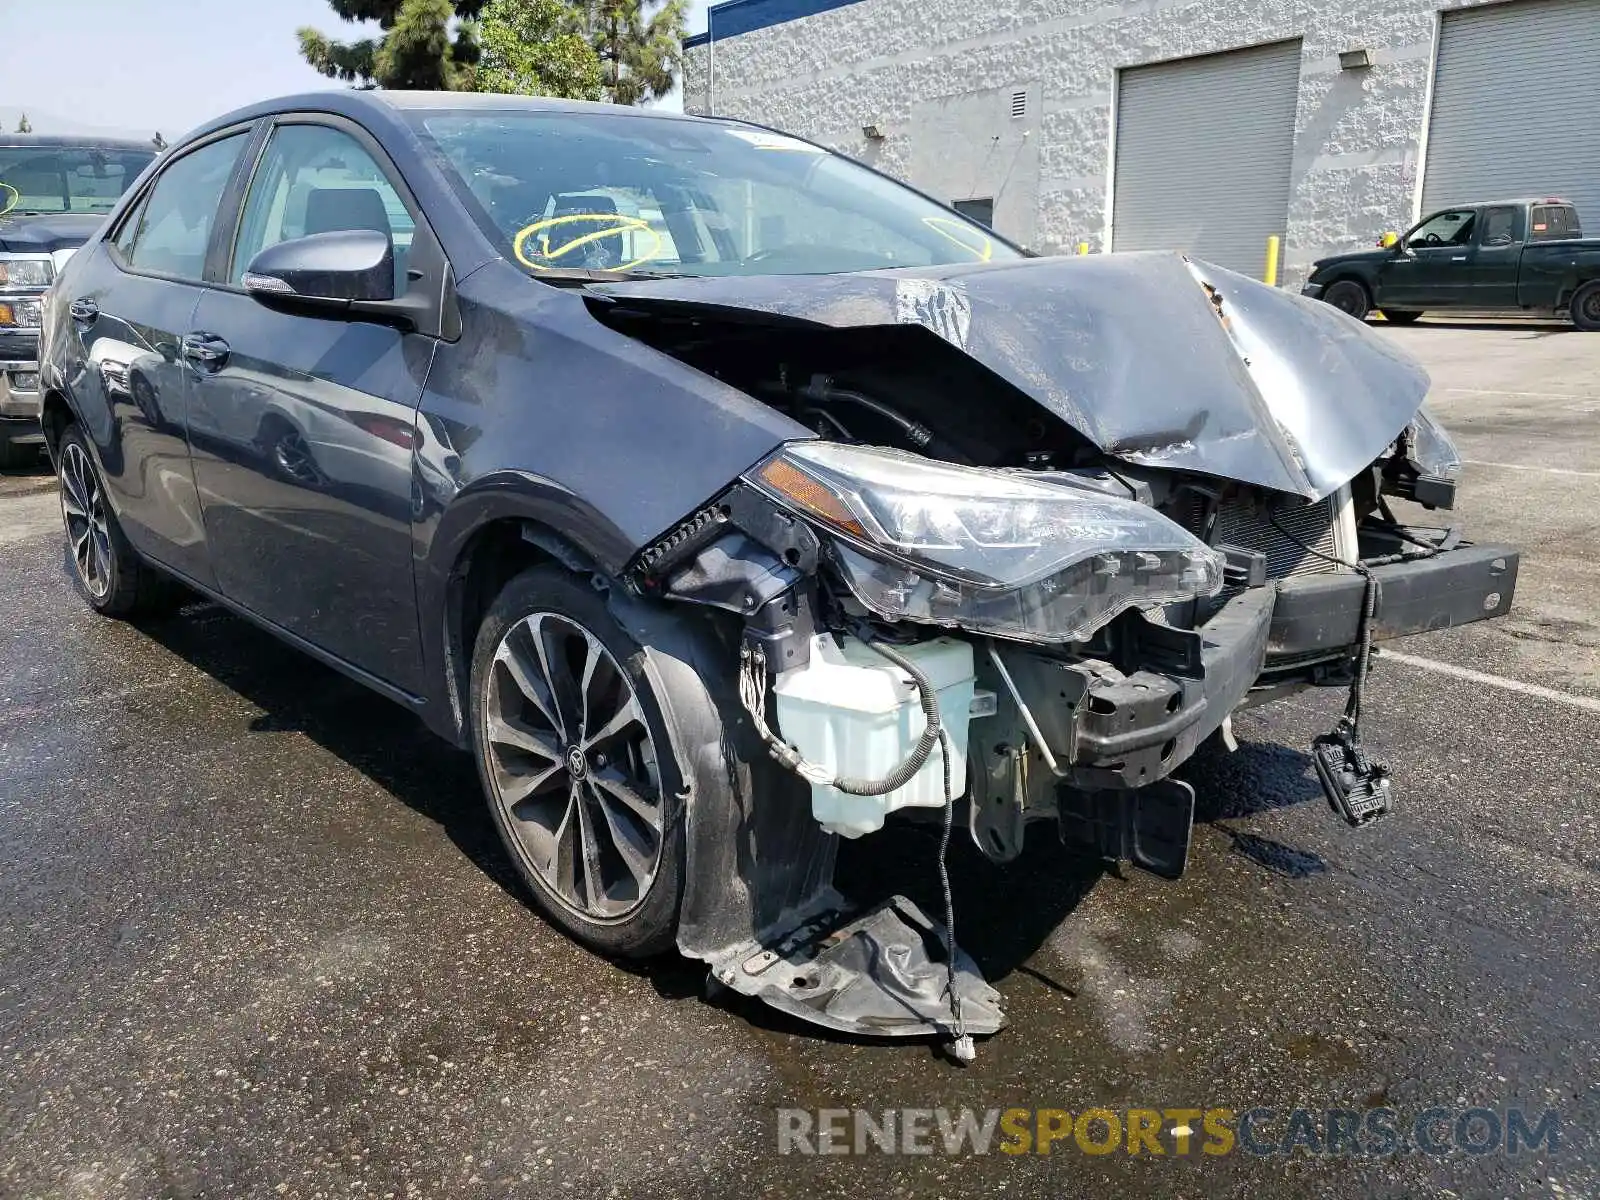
<point x="1005" y="912"/>
<point x="1529" y="329"/>
<point x="29" y="480"/>
<point x="1258" y="778"/>
<point x="376" y="737"/>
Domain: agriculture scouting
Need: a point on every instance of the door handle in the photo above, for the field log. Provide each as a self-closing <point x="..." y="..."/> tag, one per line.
<point x="84" y="309"/>
<point x="1458" y="258"/>
<point x="205" y="350"/>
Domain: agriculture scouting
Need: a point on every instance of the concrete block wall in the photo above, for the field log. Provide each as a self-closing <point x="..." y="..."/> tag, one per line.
<point x="1358" y="134"/>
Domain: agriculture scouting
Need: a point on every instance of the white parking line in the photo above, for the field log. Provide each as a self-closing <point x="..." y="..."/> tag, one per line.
<point x="1478" y="462"/>
<point x="1586" y="703"/>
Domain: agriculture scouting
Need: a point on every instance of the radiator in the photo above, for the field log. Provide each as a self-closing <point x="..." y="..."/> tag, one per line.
<point x="1327" y="526"/>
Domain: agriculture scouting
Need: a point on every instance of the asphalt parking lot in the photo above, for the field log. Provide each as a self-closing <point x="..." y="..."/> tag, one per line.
<point x="257" y="938"/>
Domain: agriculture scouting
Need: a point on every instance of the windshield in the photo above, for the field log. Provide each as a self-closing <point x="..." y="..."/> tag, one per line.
<point x="565" y="191"/>
<point x="47" y="179"/>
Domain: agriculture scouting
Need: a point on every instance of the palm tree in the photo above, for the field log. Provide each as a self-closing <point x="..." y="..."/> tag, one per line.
<point x="640" y="45"/>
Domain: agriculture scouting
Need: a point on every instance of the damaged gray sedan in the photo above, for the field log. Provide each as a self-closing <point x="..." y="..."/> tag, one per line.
<point x="725" y="498"/>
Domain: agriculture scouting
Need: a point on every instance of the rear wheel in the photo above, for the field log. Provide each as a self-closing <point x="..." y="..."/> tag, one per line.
<point x="1401" y="316"/>
<point x="1350" y="297"/>
<point x="105" y="568"/>
<point x="576" y="765"/>
<point x="1585" y="307"/>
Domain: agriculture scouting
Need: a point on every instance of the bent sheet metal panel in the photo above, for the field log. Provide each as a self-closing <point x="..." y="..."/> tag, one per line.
<point x="1266" y="388"/>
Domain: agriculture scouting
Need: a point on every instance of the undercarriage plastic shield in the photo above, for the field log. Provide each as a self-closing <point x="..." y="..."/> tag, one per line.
<point x="881" y="974"/>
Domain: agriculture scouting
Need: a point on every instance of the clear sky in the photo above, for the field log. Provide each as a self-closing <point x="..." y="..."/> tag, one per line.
<point x="145" y="65"/>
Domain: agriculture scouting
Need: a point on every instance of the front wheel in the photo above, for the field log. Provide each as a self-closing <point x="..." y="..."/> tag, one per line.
<point x="1585" y="307"/>
<point x="1349" y="297"/>
<point x="575" y="762"/>
<point x="1400" y="316"/>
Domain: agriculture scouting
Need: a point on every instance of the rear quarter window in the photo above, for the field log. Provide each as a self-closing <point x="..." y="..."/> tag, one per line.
<point x="1553" y="222"/>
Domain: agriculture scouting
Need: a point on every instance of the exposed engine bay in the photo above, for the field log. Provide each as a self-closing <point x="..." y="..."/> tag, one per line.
<point x="1022" y="588"/>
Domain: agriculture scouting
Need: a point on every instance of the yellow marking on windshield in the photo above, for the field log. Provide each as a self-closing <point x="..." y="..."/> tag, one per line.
<point x="618" y="225"/>
<point x="958" y="232"/>
<point x="16" y="198"/>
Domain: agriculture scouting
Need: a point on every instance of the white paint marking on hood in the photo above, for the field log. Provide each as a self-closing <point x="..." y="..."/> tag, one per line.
<point x="935" y="304"/>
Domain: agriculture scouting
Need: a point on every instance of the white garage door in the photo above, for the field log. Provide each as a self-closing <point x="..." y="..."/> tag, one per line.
<point x="1516" y="106"/>
<point x="1203" y="150"/>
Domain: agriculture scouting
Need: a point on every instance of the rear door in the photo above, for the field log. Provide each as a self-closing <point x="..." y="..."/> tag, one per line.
<point x="131" y="302"/>
<point x="1493" y="263"/>
<point x="302" y="428"/>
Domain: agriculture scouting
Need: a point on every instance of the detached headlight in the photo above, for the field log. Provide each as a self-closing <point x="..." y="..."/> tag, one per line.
<point x="985" y="550"/>
<point x="1430" y="449"/>
<point x="19" y="314"/>
<point x="25" y="272"/>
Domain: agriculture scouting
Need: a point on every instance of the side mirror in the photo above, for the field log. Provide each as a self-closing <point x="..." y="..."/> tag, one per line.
<point x="324" y="272"/>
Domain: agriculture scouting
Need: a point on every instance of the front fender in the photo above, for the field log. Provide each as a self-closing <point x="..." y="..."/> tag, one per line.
<point x="560" y="523"/>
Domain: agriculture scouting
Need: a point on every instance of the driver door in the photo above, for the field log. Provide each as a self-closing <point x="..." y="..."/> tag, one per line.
<point x="302" y="428"/>
<point x="1429" y="267"/>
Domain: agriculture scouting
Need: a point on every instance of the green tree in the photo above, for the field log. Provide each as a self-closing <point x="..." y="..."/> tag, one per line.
<point x="536" y="48"/>
<point x="640" y="45"/>
<point x="23" y="126"/>
<point x="417" y="48"/>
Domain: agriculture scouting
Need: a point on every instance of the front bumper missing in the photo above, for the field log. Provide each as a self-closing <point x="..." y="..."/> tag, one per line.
<point x="1456" y="587"/>
<point x="759" y="904"/>
<point x="1120" y="731"/>
<point x="1108" y="730"/>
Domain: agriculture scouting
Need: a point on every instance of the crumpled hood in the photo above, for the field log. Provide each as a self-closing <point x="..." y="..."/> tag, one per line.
<point x="1155" y="358"/>
<point x="48" y="233"/>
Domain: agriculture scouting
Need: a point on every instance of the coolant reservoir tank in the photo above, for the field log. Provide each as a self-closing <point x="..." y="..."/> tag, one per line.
<point x="854" y="712"/>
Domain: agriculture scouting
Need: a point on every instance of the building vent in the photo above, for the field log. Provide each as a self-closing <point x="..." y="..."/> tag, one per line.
<point x="1019" y="105"/>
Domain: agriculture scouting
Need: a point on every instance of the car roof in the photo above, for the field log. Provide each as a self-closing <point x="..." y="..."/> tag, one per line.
<point x="373" y="103"/>
<point x="1515" y="202"/>
<point x="52" y="142"/>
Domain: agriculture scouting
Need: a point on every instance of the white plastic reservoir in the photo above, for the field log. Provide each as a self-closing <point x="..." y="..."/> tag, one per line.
<point x="854" y="712"/>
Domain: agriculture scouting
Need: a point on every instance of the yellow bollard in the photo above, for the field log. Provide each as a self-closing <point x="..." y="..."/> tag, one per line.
<point x="1271" y="278"/>
<point x="1083" y="247"/>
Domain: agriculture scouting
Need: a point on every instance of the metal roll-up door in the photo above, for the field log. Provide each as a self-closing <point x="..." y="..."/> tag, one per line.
<point x="1203" y="152"/>
<point x="1516" y="106"/>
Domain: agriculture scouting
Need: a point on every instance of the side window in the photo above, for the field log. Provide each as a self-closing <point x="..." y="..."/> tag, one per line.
<point x="130" y="226"/>
<point x="171" y="234"/>
<point x="1452" y="228"/>
<point x="314" y="179"/>
<point x="1500" y="226"/>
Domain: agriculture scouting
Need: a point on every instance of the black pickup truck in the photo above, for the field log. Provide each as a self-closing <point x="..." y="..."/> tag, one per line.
<point x="54" y="193"/>
<point x="1527" y="256"/>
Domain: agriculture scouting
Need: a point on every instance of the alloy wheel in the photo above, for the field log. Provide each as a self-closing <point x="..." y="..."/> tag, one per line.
<point x="1590" y="306"/>
<point x="294" y="458"/>
<point x="83" y="510"/>
<point x="573" y="767"/>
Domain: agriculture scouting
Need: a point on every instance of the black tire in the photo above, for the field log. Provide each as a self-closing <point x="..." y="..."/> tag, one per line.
<point x="593" y="891"/>
<point x="1585" y="307"/>
<point x="1349" y="297"/>
<point x="1401" y="316"/>
<point x="106" y="570"/>
<point x="18" y="456"/>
